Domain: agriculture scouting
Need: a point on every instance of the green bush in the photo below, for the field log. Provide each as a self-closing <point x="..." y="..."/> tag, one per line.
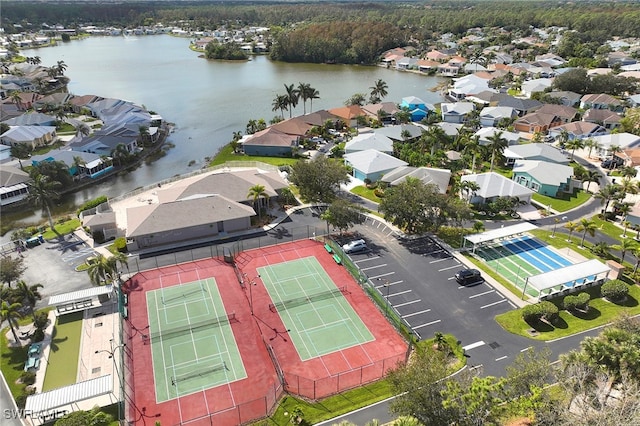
<point x="119" y="245"/>
<point x="91" y="204"/>
<point x="575" y="302"/>
<point x="549" y="311"/>
<point x="570" y="303"/>
<point x="583" y="301"/>
<point x="614" y="290"/>
<point x="28" y="378"/>
<point x="531" y="313"/>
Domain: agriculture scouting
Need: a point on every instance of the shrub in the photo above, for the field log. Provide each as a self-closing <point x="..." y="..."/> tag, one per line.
<point x="531" y="313"/>
<point x="119" y="245"/>
<point x="549" y="311"/>
<point x="570" y="303"/>
<point x="28" y="378"/>
<point x="98" y="237"/>
<point x="378" y="193"/>
<point x="583" y="301"/>
<point x="614" y="290"/>
<point x="91" y="204"/>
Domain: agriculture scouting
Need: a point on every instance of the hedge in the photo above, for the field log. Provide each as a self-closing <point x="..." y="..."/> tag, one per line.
<point x="543" y="310"/>
<point x="580" y="301"/>
<point x="92" y="203"/>
<point x="614" y="290"/>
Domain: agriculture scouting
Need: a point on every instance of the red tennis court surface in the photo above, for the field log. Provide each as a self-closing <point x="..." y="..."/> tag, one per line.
<point x="266" y="350"/>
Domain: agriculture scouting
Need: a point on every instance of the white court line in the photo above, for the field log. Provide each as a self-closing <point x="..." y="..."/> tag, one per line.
<point x="501" y="358"/>
<point x="399" y="293"/>
<point x="450" y="267"/>
<point x="416" y="313"/>
<point x="374" y="267"/>
<point x="473" y="345"/>
<point x="494" y="303"/>
<point x="481" y="294"/>
<point x="388" y="285"/>
<point x="408" y="303"/>
<point x="386" y="274"/>
<point x="440" y="260"/>
<point x="424" y="325"/>
<point x="367" y="259"/>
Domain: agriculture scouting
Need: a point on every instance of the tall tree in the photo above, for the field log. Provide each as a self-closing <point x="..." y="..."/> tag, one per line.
<point x="11" y="314"/>
<point x="586" y="226"/>
<point x="29" y="294"/>
<point x="313" y="94"/>
<point x="591" y="176"/>
<point x="61" y="67"/>
<point x="497" y="145"/>
<point x="318" y="180"/>
<point x="573" y="144"/>
<point x="625" y="245"/>
<point x="378" y="91"/>
<point x="103" y="270"/>
<point x="303" y="93"/>
<point x="571" y="226"/>
<point x="608" y="193"/>
<point x="292" y="97"/>
<point x="342" y="214"/>
<point x="11" y="269"/>
<point x="42" y="192"/>
<point x="258" y="192"/>
<point x="280" y="103"/>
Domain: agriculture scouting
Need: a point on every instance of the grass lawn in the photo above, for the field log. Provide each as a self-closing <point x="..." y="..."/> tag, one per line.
<point x="12" y="363"/>
<point x="601" y="312"/>
<point x="568" y="202"/>
<point x="65" y="352"/>
<point x="63" y="228"/>
<point x="226" y="154"/>
<point x="367" y="193"/>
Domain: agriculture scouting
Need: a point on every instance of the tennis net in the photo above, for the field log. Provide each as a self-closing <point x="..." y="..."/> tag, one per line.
<point x="216" y="322"/>
<point x="199" y="373"/>
<point x="303" y="300"/>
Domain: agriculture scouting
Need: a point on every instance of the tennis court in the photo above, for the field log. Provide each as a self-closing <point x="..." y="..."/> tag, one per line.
<point x="315" y="312"/>
<point x="192" y="344"/>
<point x="521" y="257"/>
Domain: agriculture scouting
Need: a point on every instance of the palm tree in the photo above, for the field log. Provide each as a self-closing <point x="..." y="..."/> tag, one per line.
<point x="83" y="130"/>
<point x="571" y="226"/>
<point x="586" y="226"/>
<point x="29" y="294"/>
<point x="591" y="144"/>
<point x="378" y="91"/>
<point x="61" y="67"/>
<point x="497" y="144"/>
<point x="11" y="313"/>
<point x="77" y="163"/>
<point x="292" y="97"/>
<point x="563" y="138"/>
<point x="16" y="98"/>
<point x="303" y="93"/>
<point x="120" y="154"/>
<point x="601" y="248"/>
<point x="636" y="254"/>
<point x="255" y="192"/>
<point x="573" y="144"/>
<point x="280" y="102"/>
<point x="469" y="187"/>
<point x="591" y="176"/>
<point x="143" y="132"/>
<point x="628" y="172"/>
<point x="42" y="192"/>
<point x="473" y="148"/>
<point x="609" y="193"/>
<point x="313" y="94"/>
<point x="625" y="246"/>
<point x="103" y="270"/>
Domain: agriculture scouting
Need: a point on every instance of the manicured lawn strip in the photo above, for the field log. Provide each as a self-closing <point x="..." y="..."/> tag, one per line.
<point x="601" y="312"/>
<point x="63" y="229"/>
<point x="226" y="154"/>
<point x="611" y="229"/>
<point x="507" y="284"/>
<point x="65" y="351"/>
<point x="365" y="192"/>
<point x="12" y="362"/>
<point x="562" y="205"/>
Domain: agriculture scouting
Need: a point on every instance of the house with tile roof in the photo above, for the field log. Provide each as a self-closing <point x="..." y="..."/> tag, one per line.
<point x="493" y="186"/>
<point x="578" y="130"/>
<point x="604" y="117"/>
<point x="427" y="175"/>
<point x="383" y="111"/>
<point x="522" y="106"/>
<point x="601" y="101"/>
<point x="536" y="122"/>
<point x="13" y="185"/>
<point x="371" y="164"/>
<point x="550" y="179"/>
<point x="418" y="108"/>
<point x="566" y="98"/>
<point x="349" y="114"/>
<point x="565" y="113"/>
<point x="271" y="142"/>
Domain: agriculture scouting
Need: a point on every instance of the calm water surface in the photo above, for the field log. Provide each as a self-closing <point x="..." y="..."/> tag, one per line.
<point x="207" y="100"/>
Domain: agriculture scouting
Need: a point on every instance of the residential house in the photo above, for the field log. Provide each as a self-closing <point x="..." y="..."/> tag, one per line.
<point x="349" y="114"/>
<point x="601" y="101"/>
<point x="199" y="218"/>
<point x="107" y="139"/>
<point x="317" y="118"/>
<point x="416" y="107"/>
<point x="566" y="114"/>
<point x="58" y="99"/>
<point x="634" y="100"/>
<point x="485" y="133"/>
<point x="405" y="63"/>
<point x="492" y="116"/>
<point x="604" y="117"/>
<point x="631" y="157"/>
<point x="550" y="179"/>
<point x="534" y="151"/>
<point x="271" y="143"/>
<point x="401" y="132"/>
<point x="427" y="175"/>
<point x="365" y="141"/>
<point x="522" y="106"/>
<point x="27" y="100"/>
<point x="536" y="122"/>
<point x="97" y="107"/>
<point x="620" y="58"/>
<point x="437" y="56"/>
<point x="33" y="136"/>
<point x="448" y="70"/>
<point x="426" y="65"/>
<point x="578" y="130"/>
<point x="383" y="111"/>
<point x="450" y="129"/>
<point x="529" y="87"/>
<point x="5" y="153"/>
<point x="457" y="112"/>
<point x="13" y="185"/>
<point x="297" y="126"/>
<point x="79" y="103"/>
<point x="617" y="140"/>
<point x="80" y="164"/>
<point x="552" y="59"/>
<point x="493" y="186"/>
<point x="469" y="85"/>
<point x="371" y="164"/>
<point x="104" y="223"/>
<point x="566" y="98"/>
<point x="32" y="119"/>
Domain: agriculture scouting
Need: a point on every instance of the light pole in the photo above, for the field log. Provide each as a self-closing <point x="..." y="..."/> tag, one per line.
<point x="387" y="285"/>
<point x="122" y="396"/>
<point x="252" y="282"/>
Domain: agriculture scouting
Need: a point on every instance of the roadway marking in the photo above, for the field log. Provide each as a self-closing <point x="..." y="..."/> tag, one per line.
<point x="433" y="252"/>
<point x="374" y="267"/>
<point x="416" y="313"/>
<point x="501" y="358"/>
<point x="427" y="324"/>
<point x="399" y="293"/>
<point x="446" y="269"/>
<point x="390" y="232"/>
<point x="526" y="349"/>
<point x="494" y="303"/>
<point x="388" y="285"/>
<point x="367" y="259"/>
<point x="440" y="260"/>
<point x="386" y="274"/>
<point x="473" y="345"/>
<point x="407" y="303"/>
<point x="481" y="294"/>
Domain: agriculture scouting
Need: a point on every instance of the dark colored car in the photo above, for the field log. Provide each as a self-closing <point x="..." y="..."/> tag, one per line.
<point x="468" y="276"/>
<point x="611" y="163"/>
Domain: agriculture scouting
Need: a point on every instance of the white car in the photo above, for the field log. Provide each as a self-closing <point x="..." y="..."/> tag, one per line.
<point x="355" y="246"/>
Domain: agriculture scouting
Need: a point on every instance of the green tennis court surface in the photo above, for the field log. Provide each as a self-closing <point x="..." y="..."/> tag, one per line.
<point x="192" y="344"/>
<point x="313" y="308"/>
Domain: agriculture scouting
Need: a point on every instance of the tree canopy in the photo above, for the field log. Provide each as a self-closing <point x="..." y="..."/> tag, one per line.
<point x="318" y="180"/>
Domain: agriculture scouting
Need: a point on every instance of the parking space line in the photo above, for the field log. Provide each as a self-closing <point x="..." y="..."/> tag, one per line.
<point x="440" y="260"/>
<point x="399" y="293"/>
<point x="390" y="284"/>
<point x="481" y="294"/>
<point x="450" y="267"/>
<point x="473" y="345"/>
<point x="416" y="313"/>
<point x="494" y="303"/>
<point x="427" y="324"/>
<point x="526" y="349"/>
<point x="390" y="233"/>
<point x="407" y="303"/>
<point x="513" y="305"/>
<point x="433" y="252"/>
<point x="386" y="274"/>
<point x="382" y="265"/>
<point x="501" y="358"/>
<point x="367" y="259"/>
<point x="453" y="278"/>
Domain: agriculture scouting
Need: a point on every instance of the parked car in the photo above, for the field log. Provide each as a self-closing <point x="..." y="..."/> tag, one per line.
<point x="468" y="277"/>
<point x="355" y="246"/>
<point x="612" y="163"/>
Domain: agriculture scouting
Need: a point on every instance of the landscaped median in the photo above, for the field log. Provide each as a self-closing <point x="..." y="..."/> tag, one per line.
<point x="600" y="312"/>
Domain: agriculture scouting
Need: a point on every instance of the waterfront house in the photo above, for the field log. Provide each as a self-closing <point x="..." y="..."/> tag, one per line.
<point x="545" y="178"/>
<point x="383" y="111"/>
<point x="493" y="186"/>
<point x="427" y="175"/>
<point x="79" y="103"/>
<point x="13" y="185"/>
<point x="32" y="119"/>
<point x="33" y="136"/>
<point x="418" y="108"/>
<point x="371" y="164"/>
<point x="349" y="114"/>
<point x="469" y="85"/>
<point x="271" y="143"/>
<point x="80" y="164"/>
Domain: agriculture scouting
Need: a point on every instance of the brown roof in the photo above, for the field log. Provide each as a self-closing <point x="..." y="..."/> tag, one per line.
<point x="578" y="127"/>
<point x="562" y="111"/>
<point x="388" y="107"/>
<point x="537" y="118"/>
<point x="83" y="100"/>
<point x="600" y="98"/>
<point x="271" y="137"/>
<point x="318" y="118"/>
<point x="293" y="126"/>
<point x="348" y="112"/>
<point x="601" y="115"/>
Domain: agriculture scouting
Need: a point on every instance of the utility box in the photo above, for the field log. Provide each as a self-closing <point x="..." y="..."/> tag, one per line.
<point x="616" y="269"/>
